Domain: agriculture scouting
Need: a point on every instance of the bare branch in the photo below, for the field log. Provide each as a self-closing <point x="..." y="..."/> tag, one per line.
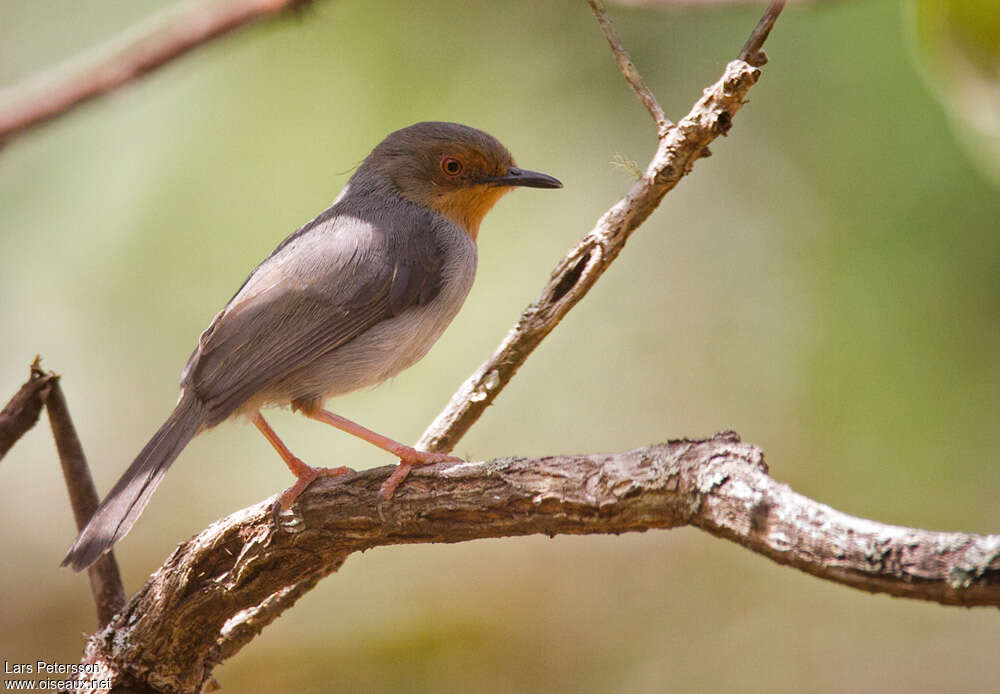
<point x="160" y="39"/>
<point x="680" y="146"/>
<point x="628" y="69"/>
<point x="21" y="412"/>
<point x="752" y="52"/>
<point x="218" y="590"/>
<point x="105" y="579"/>
<point x="677" y="152"/>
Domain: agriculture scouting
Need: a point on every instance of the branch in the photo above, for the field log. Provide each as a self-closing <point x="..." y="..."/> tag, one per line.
<point x="219" y="589"/>
<point x="680" y="146"/>
<point x="752" y="50"/>
<point x="628" y="69"/>
<point x="21" y="412"/>
<point x="105" y="578"/>
<point x="147" y="46"/>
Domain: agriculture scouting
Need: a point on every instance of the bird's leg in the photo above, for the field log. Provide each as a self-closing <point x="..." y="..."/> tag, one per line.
<point x="409" y="457"/>
<point x="305" y="473"/>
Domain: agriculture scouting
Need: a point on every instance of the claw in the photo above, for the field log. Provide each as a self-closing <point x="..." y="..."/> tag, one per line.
<point x="411" y="459"/>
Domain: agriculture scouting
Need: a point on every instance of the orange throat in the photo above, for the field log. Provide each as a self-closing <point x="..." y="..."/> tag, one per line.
<point x="468" y="206"/>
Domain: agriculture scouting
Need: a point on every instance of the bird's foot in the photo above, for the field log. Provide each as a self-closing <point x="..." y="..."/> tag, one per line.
<point x="305" y="474"/>
<point x="409" y="458"/>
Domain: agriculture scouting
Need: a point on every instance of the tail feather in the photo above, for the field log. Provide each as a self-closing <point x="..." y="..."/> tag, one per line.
<point x="125" y="502"/>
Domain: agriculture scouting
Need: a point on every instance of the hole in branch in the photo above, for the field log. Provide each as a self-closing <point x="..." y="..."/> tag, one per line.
<point x="570" y="278"/>
<point x="723" y="122"/>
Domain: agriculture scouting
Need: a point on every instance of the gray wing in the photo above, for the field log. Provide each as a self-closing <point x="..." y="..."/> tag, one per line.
<point x="318" y="291"/>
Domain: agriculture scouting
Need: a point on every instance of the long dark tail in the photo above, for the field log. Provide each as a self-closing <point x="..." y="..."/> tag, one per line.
<point x="125" y="502"/>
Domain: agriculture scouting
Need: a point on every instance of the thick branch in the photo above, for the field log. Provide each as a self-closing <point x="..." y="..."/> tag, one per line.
<point x="218" y="590"/>
<point x="163" y="37"/>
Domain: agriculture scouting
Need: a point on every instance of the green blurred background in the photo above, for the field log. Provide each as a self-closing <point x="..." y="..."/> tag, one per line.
<point x="827" y="284"/>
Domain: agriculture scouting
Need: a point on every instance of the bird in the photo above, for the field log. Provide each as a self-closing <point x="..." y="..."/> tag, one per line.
<point x="345" y="302"/>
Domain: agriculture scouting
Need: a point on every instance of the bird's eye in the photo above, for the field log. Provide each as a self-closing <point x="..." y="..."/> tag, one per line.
<point x="451" y="166"/>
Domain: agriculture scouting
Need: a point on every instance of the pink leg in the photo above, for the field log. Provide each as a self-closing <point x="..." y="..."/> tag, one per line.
<point x="409" y="457"/>
<point x="304" y="473"/>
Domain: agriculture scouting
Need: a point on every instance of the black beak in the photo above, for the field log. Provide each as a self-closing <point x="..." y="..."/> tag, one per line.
<point x="525" y="179"/>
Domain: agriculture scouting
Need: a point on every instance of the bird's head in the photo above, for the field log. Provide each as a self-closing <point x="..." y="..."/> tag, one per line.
<point x="452" y="169"/>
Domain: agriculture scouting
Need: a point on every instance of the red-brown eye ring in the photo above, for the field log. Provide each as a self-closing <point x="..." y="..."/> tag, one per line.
<point x="451" y="166"/>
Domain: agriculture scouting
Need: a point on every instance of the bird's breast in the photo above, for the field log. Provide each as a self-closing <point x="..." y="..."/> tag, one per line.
<point x="398" y="342"/>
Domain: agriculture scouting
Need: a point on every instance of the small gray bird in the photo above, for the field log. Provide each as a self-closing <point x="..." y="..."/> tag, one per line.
<point x="350" y="299"/>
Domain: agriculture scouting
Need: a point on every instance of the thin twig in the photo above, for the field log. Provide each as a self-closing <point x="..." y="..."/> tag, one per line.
<point x="628" y="69"/>
<point x="163" y="37"/>
<point x="679" y="148"/>
<point x="220" y="588"/>
<point x="752" y="52"/>
<point x="665" y="4"/>
<point x="105" y="579"/>
<point x="21" y="412"/>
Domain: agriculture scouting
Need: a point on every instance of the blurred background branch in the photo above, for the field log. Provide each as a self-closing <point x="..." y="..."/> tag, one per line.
<point x="681" y="4"/>
<point x="167" y="35"/>
<point x="628" y="69"/>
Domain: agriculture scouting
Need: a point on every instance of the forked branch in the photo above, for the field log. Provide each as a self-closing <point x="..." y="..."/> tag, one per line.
<point x="679" y="147"/>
